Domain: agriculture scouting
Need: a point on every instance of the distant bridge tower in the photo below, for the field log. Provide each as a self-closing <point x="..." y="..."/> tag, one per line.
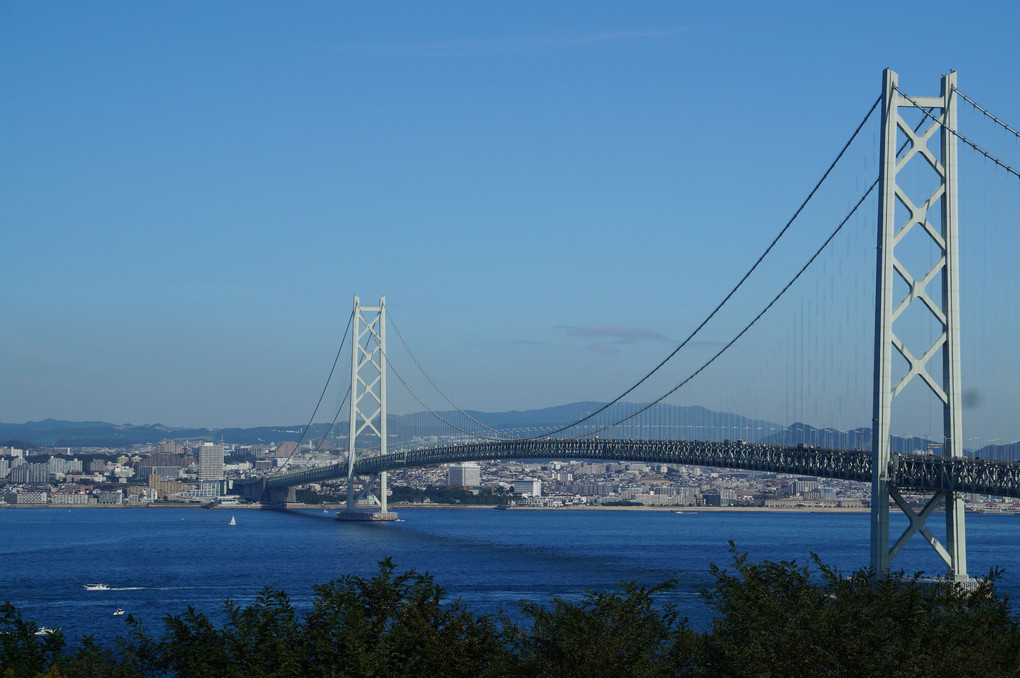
<point x="900" y="212"/>
<point x="368" y="404"/>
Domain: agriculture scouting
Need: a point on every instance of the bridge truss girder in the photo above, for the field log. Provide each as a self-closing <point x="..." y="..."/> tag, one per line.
<point x="915" y="474"/>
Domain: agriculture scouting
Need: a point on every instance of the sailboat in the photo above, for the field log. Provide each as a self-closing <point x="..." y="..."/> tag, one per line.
<point x="232" y="521"/>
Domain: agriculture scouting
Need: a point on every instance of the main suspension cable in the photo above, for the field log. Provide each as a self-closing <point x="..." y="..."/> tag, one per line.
<point x="987" y="114"/>
<point x="335" y="418"/>
<point x="747" y="327"/>
<point x="961" y="137"/>
<point x="432" y="411"/>
<point x="436" y="386"/>
<point x="733" y="291"/>
<point x="336" y="360"/>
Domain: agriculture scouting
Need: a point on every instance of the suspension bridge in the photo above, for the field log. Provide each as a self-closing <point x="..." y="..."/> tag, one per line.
<point x="913" y="353"/>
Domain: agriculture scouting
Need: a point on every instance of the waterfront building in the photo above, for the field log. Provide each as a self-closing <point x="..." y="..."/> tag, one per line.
<point x="528" y="487"/>
<point x="467" y="474"/>
<point x="206" y="490"/>
<point x="719" y="497"/>
<point x="211" y="488"/>
<point x="70" y="498"/>
<point x="167" y="489"/>
<point x="137" y="494"/>
<point x="28" y="498"/>
<point x="210" y="462"/>
<point x="111" y="497"/>
<point x="669" y="496"/>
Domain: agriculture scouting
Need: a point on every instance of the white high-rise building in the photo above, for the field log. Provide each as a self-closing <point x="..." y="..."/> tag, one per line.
<point x="210" y="462"/>
<point x="528" y="487"/>
<point x="467" y="474"/>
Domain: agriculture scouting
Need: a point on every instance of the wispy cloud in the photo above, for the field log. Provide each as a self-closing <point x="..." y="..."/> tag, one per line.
<point x="505" y="46"/>
<point x="513" y="342"/>
<point x="713" y="345"/>
<point x="610" y="336"/>
<point x="616" y="335"/>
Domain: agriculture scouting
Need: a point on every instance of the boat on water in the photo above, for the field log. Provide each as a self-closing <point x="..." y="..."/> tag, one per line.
<point x="95" y="587"/>
<point x="232" y="521"/>
<point x="45" y="631"/>
<point x="118" y="612"/>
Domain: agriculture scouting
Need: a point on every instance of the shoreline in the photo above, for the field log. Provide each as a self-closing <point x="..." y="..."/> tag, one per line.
<point x="666" y="509"/>
<point x="460" y="507"/>
<point x="479" y="507"/>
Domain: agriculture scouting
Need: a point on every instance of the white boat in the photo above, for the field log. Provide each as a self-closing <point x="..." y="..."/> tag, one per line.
<point x="118" y="612"/>
<point x="45" y="631"/>
<point x="232" y="521"/>
<point x="95" y="587"/>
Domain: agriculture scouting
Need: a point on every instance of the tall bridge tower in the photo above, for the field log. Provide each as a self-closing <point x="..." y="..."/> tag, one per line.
<point x="368" y="404"/>
<point x="899" y="213"/>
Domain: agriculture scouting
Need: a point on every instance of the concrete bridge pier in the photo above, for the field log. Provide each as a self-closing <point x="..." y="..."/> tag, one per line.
<point x="278" y="496"/>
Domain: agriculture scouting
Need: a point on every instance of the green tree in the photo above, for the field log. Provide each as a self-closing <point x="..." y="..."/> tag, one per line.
<point x="192" y="646"/>
<point x="89" y="659"/>
<point x="396" y="625"/>
<point x="264" y="639"/>
<point x="618" y="634"/>
<point x="781" y="618"/>
<point x="22" y="652"/>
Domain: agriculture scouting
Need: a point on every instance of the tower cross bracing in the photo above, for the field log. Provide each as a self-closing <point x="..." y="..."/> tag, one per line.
<point x="943" y="306"/>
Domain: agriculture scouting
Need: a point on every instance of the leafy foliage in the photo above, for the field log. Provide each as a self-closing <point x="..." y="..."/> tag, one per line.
<point x="777" y="619"/>
<point x="22" y="652"/>
<point x="394" y="624"/>
<point x="616" y="634"/>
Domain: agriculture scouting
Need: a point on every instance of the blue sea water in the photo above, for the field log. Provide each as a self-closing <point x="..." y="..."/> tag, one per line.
<point x="159" y="561"/>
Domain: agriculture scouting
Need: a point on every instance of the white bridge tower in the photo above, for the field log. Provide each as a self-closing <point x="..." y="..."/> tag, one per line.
<point x="368" y="406"/>
<point x="899" y="213"/>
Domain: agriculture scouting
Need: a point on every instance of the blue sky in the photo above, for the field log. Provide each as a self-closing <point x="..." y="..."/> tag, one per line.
<point x="547" y="193"/>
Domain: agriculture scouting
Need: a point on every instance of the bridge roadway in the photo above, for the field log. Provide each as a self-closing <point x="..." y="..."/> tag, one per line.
<point x="924" y="473"/>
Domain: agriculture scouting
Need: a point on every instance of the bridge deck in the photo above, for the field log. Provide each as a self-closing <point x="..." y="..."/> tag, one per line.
<point x="919" y="473"/>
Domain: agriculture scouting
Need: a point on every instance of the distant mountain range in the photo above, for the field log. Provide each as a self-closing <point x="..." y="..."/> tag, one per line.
<point x="656" y="422"/>
<point x="57" y="433"/>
